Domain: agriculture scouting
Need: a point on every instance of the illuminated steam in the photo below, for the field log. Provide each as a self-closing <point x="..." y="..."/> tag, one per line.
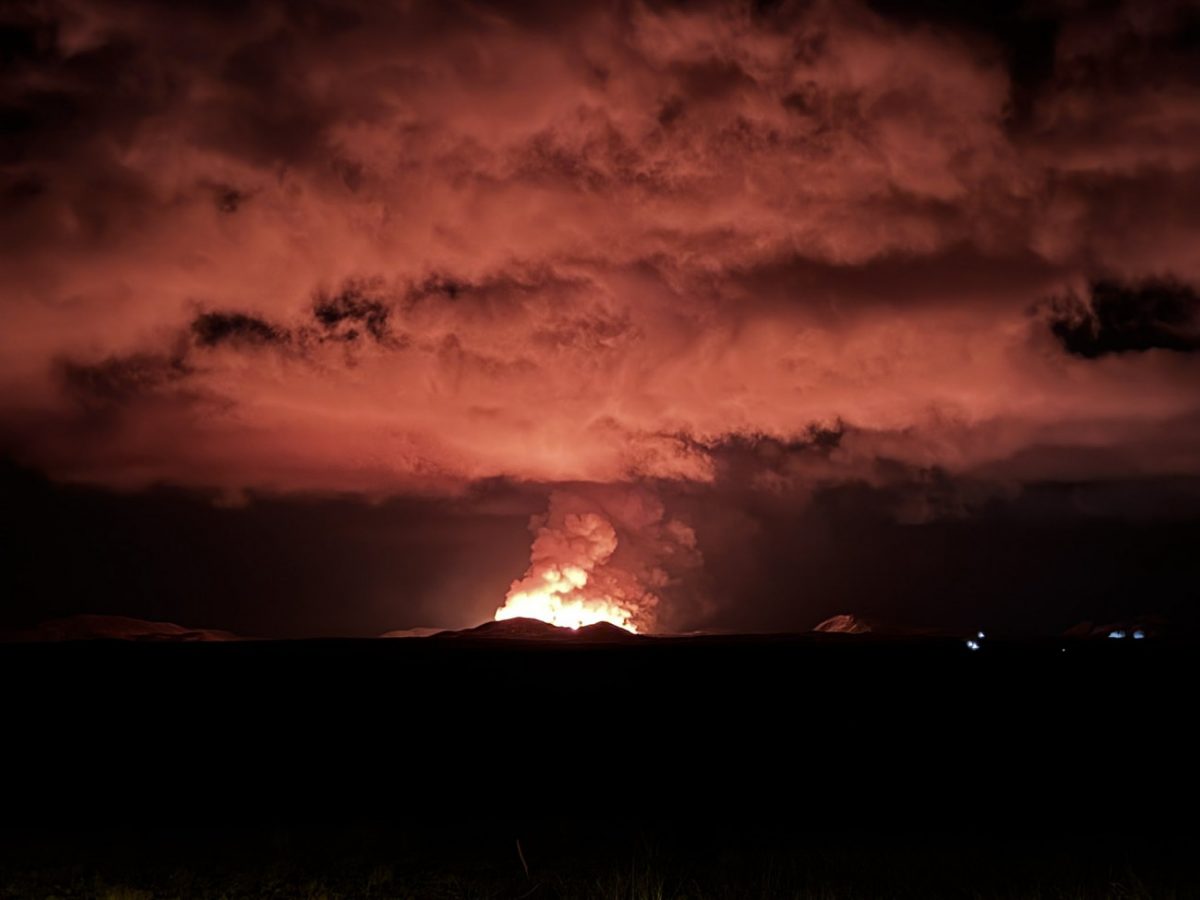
<point x="601" y="555"/>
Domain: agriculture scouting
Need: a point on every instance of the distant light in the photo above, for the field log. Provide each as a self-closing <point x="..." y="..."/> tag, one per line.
<point x="1138" y="635"/>
<point x="981" y="635"/>
<point x="1064" y="649"/>
<point x="1116" y="634"/>
<point x="974" y="645"/>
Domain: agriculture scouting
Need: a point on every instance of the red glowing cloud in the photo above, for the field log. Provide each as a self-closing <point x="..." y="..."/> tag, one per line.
<point x="387" y="251"/>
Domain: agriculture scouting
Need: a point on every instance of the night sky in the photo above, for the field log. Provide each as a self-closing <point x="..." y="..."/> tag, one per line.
<point x="338" y="318"/>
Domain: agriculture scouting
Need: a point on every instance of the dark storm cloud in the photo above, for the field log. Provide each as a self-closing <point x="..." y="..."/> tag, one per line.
<point x="943" y="279"/>
<point x="741" y="456"/>
<point x="1024" y="34"/>
<point x="859" y="474"/>
<point x="1124" y="318"/>
<point x="212" y="329"/>
<point x="118" y="381"/>
<point x="352" y="309"/>
<point x="227" y="198"/>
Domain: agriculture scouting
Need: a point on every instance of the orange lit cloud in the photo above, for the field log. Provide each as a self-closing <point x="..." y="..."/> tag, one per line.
<point x="398" y="249"/>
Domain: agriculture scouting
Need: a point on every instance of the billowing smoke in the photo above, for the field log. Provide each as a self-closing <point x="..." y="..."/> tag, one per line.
<point x="602" y="554"/>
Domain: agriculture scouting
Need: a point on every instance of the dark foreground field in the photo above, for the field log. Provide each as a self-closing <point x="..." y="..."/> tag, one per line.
<point x="591" y="861"/>
<point x="720" y="767"/>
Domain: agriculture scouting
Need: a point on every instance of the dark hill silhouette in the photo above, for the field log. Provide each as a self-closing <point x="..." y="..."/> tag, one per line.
<point x="848" y="623"/>
<point x="120" y="628"/>
<point x="522" y="629"/>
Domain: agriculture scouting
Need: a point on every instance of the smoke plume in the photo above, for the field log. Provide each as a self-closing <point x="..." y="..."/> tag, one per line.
<point x="602" y="555"/>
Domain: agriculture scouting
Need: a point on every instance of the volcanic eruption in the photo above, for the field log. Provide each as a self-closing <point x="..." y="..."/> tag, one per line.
<point x="582" y="572"/>
<point x="570" y="582"/>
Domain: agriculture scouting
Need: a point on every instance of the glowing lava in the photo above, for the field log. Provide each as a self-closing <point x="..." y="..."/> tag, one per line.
<point x="560" y="602"/>
<point x="570" y="582"/>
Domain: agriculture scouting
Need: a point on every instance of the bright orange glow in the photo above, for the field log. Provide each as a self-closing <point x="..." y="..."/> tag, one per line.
<point x="561" y="601"/>
<point x="570" y="582"/>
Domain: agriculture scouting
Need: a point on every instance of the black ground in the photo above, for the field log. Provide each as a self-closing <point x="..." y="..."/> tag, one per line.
<point x="836" y="739"/>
